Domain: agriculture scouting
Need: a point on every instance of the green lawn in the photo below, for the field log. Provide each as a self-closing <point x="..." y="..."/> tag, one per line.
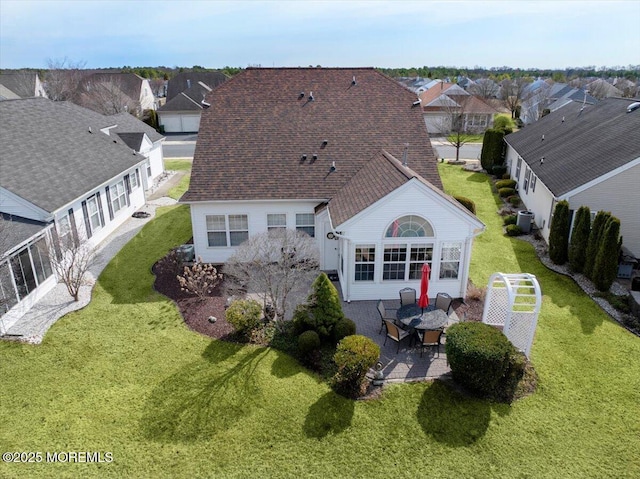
<point x="183" y="185"/>
<point x="124" y="375"/>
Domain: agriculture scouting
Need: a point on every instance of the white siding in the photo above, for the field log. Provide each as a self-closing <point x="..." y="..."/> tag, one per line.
<point x="449" y="223"/>
<point x="257" y="216"/>
<point x="14" y="205"/>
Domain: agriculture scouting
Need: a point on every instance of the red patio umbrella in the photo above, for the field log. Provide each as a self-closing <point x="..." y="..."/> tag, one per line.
<point x="423" y="301"/>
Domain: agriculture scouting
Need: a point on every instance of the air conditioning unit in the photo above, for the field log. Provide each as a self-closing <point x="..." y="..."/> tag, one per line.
<point x="186" y="253"/>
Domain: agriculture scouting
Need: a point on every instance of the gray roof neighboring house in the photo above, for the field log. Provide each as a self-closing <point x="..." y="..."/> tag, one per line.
<point x="127" y="123"/>
<point x="22" y="83"/>
<point x="188" y="100"/>
<point x="579" y="145"/>
<point x="7" y="94"/>
<point x="185" y="80"/>
<point x="15" y="230"/>
<point x="52" y="154"/>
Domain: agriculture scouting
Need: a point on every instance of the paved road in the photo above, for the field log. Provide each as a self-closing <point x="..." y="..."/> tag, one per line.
<point x="469" y="151"/>
<point x="181" y="149"/>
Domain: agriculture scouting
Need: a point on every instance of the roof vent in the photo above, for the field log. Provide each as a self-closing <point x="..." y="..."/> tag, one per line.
<point x="333" y="167"/>
<point x="417" y="102"/>
<point x="324" y="143"/>
<point x="353" y="82"/>
<point x="205" y="104"/>
<point x="304" y="157"/>
<point x="90" y="131"/>
<point x="542" y="160"/>
<point x="542" y="137"/>
<point x="188" y="83"/>
<point x="310" y="96"/>
<point x="315" y="156"/>
<point x="563" y="119"/>
<point x="634" y="106"/>
<point x="301" y="95"/>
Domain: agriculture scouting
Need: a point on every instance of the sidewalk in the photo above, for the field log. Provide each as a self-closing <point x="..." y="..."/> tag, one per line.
<point x="32" y="327"/>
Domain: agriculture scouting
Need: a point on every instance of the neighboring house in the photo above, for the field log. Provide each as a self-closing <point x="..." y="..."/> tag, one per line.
<point x="21" y="84"/>
<point x="442" y="102"/>
<point x="589" y="157"/>
<point x="61" y="177"/>
<point x="341" y="154"/>
<point x="562" y="94"/>
<point x="535" y="98"/>
<point x="600" y="88"/>
<point x="186" y="94"/>
<point x="110" y="93"/>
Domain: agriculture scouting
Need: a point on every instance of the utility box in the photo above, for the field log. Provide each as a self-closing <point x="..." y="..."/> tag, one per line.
<point x="525" y="220"/>
<point x="186" y="253"/>
<point x="626" y="263"/>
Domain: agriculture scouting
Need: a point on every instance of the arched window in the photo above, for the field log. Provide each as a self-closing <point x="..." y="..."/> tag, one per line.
<point x="410" y="226"/>
<point x="403" y="259"/>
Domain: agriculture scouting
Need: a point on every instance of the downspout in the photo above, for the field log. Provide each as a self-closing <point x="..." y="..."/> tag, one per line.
<point x="468" y="244"/>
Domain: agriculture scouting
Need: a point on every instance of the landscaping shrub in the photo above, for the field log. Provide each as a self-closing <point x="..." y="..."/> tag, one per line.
<point x="492" y="153"/>
<point x="504" y="123"/>
<point x="593" y="245"/>
<point x="301" y="320"/>
<point x="513" y="230"/>
<point x="308" y="342"/>
<point x="514" y="200"/>
<point x="354" y="356"/>
<point x="559" y="233"/>
<point x="506" y="176"/>
<point x="244" y="315"/>
<point x="343" y="328"/>
<point x="324" y="307"/>
<point x="499" y="170"/>
<point x="504" y="192"/>
<point x="506" y="184"/>
<point x="605" y="269"/>
<point x="483" y="360"/>
<point x="199" y="279"/>
<point x="467" y="203"/>
<point x="509" y="220"/>
<point x="579" y="239"/>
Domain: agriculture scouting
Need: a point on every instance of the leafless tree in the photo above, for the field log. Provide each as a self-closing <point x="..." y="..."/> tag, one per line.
<point x="484" y="88"/>
<point x="107" y="97"/>
<point x="535" y="101"/>
<point x="63" y="79"/>
<point x="71" y="259"/>
<point x="453" y="121"/>
<point x="157" y="86"/>
<point x="274" y="264"/>
<point x="513" y="92"/>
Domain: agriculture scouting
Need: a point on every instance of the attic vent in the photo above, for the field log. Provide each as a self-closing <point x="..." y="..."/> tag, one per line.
<point x="310" y="96"/>
<point x="634" y="106"/>
<point x="563" y="119"/>
<point x="90" y="131"/>
<point x="353" y="82"/>
<point x="542" y="137"/>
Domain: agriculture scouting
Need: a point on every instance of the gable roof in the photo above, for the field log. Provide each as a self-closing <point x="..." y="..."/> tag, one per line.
<point x="53" y="155"/>
<point x="16" y="230"/>
<point x="127" y="123"/>
<point x="129" y="84"/>
<point x="21" y="83"/>
<point x="382" y="175"/>
<point x="185" y="80"/>
<point x="189" y="100"/>
<point x="585" y="146"/>
<point x="434" y="92"/>
<point x="253" y="136"/>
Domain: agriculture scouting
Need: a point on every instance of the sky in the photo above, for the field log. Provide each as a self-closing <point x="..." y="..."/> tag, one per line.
<point x="388" y="34"/>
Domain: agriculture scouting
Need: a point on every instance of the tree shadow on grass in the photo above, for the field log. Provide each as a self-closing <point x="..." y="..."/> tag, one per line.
<point x="285" y="366"/>
<point x="478" y="178"/>
<point x="454" y="419"/>
<point x="203" y="399"/>
<point x="331" y="414"/>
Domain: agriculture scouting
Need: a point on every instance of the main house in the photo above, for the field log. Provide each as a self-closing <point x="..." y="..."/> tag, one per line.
<point x="587" y="155"/>
<point x="67" y="172"/>
<point x="341" y="154"/>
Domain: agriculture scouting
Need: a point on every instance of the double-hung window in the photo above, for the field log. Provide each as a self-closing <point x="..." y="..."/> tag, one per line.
<point x="534" y="178"/>
<point x="306" y="222"/>
<point x="227" y="230"/>
<point x="525" y="184"/>
<point x="94" y="213"/>
<point x="518" y="166"/>
<point x="365" y="262"/>
<point x="133" y="178"/>
<point x="276" y="221"/>
<point x="64" y="226"/>
<point x="450" y="260"/>
<point x="118" y="196"/>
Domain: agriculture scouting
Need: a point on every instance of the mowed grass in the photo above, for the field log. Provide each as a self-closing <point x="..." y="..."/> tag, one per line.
<point x="183" y="185"/>
<point x="124" y="375"/>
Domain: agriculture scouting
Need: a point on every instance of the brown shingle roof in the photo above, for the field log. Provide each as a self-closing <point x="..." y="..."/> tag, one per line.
<point x="253" y="137"/>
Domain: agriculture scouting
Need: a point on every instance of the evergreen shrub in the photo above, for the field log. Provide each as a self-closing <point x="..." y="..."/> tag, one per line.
<point x="506" y="184"/>
<point x="467" y="203"/>
<point x="504" y="192"/>
<point x="353" y="358"/>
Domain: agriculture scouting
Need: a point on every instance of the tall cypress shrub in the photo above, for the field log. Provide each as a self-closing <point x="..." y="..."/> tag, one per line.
<point x="579" y="239"/>
<point x="492" y="149"/>
<point x="605" y="269"/>
<point x="324" y="306"/>
<point x="593" y="245"/>
<point x="559" y="233"/>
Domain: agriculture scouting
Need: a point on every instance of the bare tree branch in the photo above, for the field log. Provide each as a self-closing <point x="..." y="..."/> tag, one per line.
<point x="71" y="259"/>
<point x="63" y="79"/>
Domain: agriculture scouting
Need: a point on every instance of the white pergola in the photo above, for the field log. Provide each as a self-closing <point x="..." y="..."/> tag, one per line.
<point x="513" y="302"/>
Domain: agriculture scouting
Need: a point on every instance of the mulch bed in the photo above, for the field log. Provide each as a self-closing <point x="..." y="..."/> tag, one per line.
<point x="196" y="312"/>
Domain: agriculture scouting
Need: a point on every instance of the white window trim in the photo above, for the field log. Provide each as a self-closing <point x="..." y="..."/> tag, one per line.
<point x="310" y="225"/>
<point x="373" y="251"/>
<point x="399" y="242"/>
<point x="117" y="198"/>
<point x="276" y="227"/>
<point x="227" y="230"/>
<point x="94" y="200"/>
<point x="450" y="245"/>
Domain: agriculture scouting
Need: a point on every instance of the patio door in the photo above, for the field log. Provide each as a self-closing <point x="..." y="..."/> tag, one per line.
<point x="330" y="244"/>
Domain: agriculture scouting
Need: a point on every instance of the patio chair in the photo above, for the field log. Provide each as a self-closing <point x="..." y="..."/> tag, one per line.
<point x="443" y="302"/>
<point x="395" y="333"/>
<point x="407" y="296"/>
<point x="385" y="313"/>
<point x="430" y="337"/>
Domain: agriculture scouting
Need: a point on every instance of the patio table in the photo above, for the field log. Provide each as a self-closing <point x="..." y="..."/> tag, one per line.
<point x="435" y="319"/>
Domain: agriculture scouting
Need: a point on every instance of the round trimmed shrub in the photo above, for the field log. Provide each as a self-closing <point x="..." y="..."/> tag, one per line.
<point x="483" y="360"/>
<point x="514" y="200"/>
<point x="467" y="203"/>
<point x="300" y="320"/>
<point x="504" y="192"/>
<point x="509" y="220"/>
<point x="343" y="328"/>
<point x="514" y="230"/>
<point x="506" y="184"/>
<point x="308" y="342"/>
<point x="354" y="356"/>
<point x="244" y="315"/>
<point x="499" y="170"/>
